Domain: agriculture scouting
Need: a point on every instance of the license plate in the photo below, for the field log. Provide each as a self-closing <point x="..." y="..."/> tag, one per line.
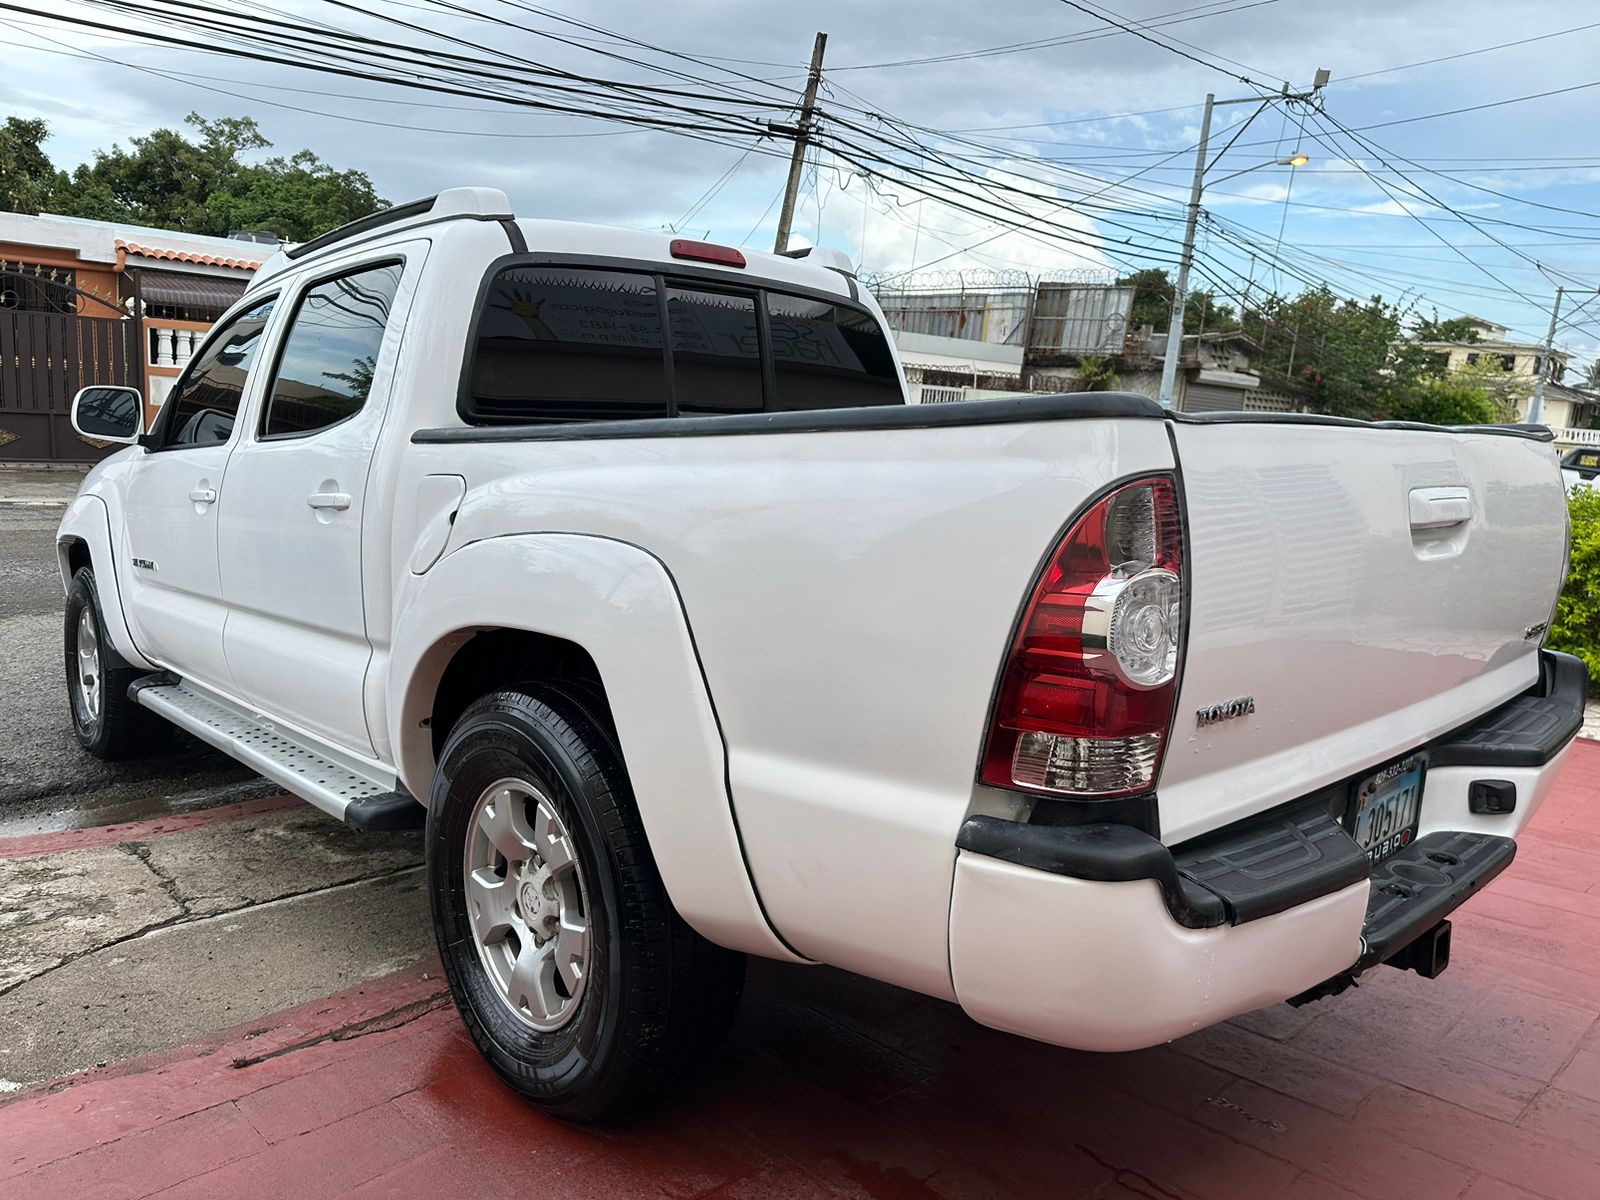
<point x="1589" y="460"/>
<point x="1386" y="808"/>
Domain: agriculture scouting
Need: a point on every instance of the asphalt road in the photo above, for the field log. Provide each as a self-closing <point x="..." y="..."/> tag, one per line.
<point x="127" y="941"/>
<point x="46" y="780"/>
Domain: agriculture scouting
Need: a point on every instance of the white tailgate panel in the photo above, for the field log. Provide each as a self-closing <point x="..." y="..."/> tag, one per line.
<point x="1323" y="588"/>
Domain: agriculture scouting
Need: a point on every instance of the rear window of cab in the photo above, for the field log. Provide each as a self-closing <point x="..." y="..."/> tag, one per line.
<point x="556" y="343"/>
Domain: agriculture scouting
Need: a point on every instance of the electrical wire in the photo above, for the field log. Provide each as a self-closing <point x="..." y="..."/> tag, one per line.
<point x="1157" y="21"/>
<point x="1428" y="62"/>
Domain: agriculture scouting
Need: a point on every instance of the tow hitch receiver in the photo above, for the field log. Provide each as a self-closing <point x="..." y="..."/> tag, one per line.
<point x="1411" y="893"/>
<point x="1429" y="955"/>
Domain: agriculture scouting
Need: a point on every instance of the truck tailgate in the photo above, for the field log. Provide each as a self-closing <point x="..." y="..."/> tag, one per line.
<point x="1365" y="588"/>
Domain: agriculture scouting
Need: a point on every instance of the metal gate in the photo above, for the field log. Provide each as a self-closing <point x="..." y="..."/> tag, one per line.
<point x="46" y="355"/>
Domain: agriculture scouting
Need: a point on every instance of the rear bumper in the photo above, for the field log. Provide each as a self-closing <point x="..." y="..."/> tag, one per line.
<point x="1101" y="938"/>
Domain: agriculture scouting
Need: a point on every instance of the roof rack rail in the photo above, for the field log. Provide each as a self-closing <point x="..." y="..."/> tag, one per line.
<point x="463" y="202"/>
<point x="385" y="216"/>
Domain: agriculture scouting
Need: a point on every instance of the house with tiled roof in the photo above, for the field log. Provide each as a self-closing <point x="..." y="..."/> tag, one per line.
<point x="85" y="302"/>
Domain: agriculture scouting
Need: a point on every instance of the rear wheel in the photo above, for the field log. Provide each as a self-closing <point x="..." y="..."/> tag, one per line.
<point x="106" y="722"/>
<point x="580" y="984"/>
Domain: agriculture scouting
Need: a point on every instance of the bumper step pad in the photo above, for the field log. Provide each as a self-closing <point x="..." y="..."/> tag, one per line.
<point x="1525" y="732"/>
<point x="1417" y="888"/>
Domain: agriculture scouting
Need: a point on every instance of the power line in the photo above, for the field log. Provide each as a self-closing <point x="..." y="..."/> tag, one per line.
<point x="183" y="78"/>
<point x="1428" y="62"/>
<point x="1140" y="32"/>
<point x="1147" y="112"/>
<point x="710" y="193"/>
<point x="1158" y="21"/>
<point x="1452" y="112"/>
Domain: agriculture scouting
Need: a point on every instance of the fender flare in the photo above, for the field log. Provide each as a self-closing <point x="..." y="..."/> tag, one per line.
<point x="88" y="519"/>
<point x="621" y="605"/>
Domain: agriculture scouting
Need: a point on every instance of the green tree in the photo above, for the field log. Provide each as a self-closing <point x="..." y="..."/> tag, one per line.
<point x="1448" y="400"/>
<point x="1591" y="378"/>
<point x="1576" y="625"/>
<point x="203" y="183"/>
<point x="27" y="177"/>
<point x="1152" y="305"/>
<point x="1096" y="374"/>
<point x="1510" y="392"/>
<point x="1335" y="352"/>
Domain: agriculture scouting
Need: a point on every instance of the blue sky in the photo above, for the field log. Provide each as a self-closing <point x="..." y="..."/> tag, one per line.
<point x="1483" y="211"/>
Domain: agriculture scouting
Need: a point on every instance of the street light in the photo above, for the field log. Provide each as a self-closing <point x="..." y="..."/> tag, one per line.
<point x="1180" y="293"/>
<point x="1295" y="160"/>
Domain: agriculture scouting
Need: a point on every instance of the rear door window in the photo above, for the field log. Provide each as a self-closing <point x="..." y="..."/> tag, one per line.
<point x="330" y="352"/>
<point x="561" y="344"/>
<point x="826" y="355"/>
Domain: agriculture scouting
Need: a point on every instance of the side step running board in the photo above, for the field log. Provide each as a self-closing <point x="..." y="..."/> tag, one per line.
<point x="341" y="787"/>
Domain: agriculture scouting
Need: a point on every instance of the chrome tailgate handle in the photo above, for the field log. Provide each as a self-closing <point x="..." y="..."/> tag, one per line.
<point x="336" y="500"/>
<point x="1439" y="507"/>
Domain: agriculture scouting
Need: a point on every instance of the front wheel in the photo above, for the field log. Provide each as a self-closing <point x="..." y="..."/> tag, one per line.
<point x="105" y="721"/>
<point x="578" y="981"/>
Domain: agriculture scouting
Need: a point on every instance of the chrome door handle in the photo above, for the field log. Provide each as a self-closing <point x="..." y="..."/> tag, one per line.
<point x="336" y="500"/>
<point x="203" y="495"/>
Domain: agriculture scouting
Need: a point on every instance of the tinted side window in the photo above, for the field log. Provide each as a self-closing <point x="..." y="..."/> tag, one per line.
<point x="330" y="352"/>
<point x="203" y="404"/>
<point x="716" y="351"/>
<point x="556" y="344"/>
<point x="829" y="356"/>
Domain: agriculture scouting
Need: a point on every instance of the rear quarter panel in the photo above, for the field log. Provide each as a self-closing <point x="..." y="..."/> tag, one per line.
<point x="851" y="595"/>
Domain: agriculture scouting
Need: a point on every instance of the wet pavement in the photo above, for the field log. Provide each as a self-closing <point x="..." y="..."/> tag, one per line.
<point x="46" y="780"/>
<point x="145" y="903"/>
<point x="210" y="990"/>
<point x="1483" y="1084"/>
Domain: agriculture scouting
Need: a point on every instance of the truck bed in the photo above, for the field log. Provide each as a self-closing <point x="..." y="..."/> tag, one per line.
<point x="852" y="580"/>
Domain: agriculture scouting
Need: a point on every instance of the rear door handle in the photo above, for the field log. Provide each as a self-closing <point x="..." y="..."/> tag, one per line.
<point x="336" y="500"/>
<point x="1439" y="507"/>
<point x="203" y="495"/>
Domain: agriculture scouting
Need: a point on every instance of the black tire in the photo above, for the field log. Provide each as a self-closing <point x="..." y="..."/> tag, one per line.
<point x="120" y="728"/>
<point x="658" y="998"/>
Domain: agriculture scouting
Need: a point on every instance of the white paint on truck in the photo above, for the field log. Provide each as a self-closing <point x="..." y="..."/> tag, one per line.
<point x="800" y="622"/>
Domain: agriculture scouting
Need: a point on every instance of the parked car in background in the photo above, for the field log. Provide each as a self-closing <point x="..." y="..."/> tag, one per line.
<point x="1579" y="466"/>
<point x="623" y="559"/>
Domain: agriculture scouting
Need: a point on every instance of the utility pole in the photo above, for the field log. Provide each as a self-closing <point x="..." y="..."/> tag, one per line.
<point x="1180" y="293"/>
<point x="802" y="140"/>
<point x="1536" y="405"/>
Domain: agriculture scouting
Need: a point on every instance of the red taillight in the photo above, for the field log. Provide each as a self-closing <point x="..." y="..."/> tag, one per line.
<point x="1087" y="695"/>
<point x="709" y="252"/>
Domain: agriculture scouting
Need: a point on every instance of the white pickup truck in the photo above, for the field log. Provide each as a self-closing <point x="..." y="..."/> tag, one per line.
<point x="623" y="561"/>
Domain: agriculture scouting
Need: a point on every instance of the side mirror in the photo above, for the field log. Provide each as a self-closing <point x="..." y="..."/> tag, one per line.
<point x="110" y="414"/>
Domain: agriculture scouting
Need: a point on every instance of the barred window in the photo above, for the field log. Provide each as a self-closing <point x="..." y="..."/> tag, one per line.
<point x="29" y="287"/>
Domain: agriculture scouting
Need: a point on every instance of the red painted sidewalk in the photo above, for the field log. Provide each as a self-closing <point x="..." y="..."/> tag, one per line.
<point x="1483" y="1084"/>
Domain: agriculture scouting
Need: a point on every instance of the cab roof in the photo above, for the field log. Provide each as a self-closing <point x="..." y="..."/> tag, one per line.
<point x="820" y="268"/>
